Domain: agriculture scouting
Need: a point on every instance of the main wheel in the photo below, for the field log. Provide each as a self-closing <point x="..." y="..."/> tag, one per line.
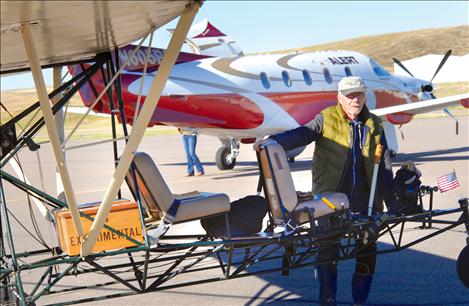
<point x="223" y="163"/>
<point x="463" y="266"/>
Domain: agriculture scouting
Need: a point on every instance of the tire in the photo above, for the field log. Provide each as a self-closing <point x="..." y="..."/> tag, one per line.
<point x="220" y="159"/>
<point x="463" y="266"/>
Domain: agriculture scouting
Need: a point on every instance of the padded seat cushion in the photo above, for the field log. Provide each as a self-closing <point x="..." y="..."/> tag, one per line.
<point x="206" y="204"/>
<point x="158" y="197"/>
<point x="320" y="208"/>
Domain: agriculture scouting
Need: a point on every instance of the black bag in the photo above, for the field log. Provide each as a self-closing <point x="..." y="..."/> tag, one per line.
<point x="245" y="217"/>
<point x="407" y="186"/>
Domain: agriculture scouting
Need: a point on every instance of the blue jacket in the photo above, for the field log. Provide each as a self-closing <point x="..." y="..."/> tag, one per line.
<point x="353" y="182"/>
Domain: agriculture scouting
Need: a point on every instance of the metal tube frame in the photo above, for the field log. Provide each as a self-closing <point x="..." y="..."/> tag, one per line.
<point x="302" y="245"/>
<point x="51" y="126"/>
<point x="263" y="250"/>
<point x="138" y="130"/>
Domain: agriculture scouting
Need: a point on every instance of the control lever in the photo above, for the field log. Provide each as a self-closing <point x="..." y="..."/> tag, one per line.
<point x="373" y="230"/>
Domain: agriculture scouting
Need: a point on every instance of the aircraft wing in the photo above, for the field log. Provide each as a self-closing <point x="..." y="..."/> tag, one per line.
<point x="424" y="106"/>
<point x="66" y="31"/>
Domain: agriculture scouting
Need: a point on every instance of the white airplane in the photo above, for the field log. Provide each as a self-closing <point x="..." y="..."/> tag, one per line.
<point x="220" y="92"/>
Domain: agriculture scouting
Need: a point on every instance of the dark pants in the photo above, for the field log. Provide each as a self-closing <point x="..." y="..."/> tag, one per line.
<point x="361" y="281"/>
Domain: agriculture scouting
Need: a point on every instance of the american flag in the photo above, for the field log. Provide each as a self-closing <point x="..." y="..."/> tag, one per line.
<point x="447" y="182"/>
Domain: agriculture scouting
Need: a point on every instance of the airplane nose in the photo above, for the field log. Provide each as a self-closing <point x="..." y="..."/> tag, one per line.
<point x="427" y="88"/>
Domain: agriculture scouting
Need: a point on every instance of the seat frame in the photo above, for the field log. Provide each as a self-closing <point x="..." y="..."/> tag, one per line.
<point x="139" y="187"/>
<point x="276" y="195"/>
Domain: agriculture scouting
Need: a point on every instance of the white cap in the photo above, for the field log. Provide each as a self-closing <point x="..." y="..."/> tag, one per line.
<point x="351" y="84"/>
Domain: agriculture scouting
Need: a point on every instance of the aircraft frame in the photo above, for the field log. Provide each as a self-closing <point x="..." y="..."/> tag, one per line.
<point x="234" y="257"/>
<point x="176" y="254"/>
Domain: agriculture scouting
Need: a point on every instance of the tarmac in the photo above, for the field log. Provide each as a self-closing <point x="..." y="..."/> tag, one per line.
<point x="424" y="274"/>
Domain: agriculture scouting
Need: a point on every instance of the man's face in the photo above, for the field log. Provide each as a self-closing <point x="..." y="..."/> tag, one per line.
<point x="352" y="103"/>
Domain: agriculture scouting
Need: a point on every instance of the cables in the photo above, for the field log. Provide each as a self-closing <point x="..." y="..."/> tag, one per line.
<point x="41" y="241"/>
<point x="40" y="238"/>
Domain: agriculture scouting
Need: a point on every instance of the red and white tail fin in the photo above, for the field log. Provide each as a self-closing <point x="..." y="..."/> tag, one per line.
<point x="203" y="38"/>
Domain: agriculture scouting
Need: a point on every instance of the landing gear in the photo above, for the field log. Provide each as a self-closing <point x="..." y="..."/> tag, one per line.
<point x="225" y="157"/>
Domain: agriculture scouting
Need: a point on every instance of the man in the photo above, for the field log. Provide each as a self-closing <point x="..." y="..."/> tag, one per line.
<point x="346" y="137"/>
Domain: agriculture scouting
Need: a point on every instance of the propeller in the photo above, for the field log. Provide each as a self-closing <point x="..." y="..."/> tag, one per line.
<point x="398" y="62"/>
<point x="428" y="87"/>
<point x="443" y="61"/>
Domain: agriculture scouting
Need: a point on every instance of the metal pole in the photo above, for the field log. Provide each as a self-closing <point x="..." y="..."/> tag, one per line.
<point x="59" y="121"/>
<point x="50" y="124"/>
<point x="379" y="151"/>
<point x="138" y="131"/>
<point x="11" y="245"/>
<point x="110" y="97"/>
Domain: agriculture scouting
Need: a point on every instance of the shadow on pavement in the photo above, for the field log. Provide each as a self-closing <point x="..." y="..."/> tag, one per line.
<point x="408" y="277"/>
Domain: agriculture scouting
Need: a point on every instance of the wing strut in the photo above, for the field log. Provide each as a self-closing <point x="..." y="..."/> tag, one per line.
<point x="143" y="119"/>
<point x="51" y="124"/>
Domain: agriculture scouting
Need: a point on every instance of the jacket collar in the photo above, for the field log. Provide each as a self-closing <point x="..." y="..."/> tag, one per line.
<point x="364" y="115"/>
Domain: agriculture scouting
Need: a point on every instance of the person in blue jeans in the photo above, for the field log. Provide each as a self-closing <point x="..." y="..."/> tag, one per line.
<point x="189" y="138"/>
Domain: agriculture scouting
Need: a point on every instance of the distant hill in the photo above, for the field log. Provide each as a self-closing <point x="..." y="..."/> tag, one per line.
<point x="402" y="45"/>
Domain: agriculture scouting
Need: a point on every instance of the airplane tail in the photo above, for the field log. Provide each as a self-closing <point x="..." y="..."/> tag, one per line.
<point x="203" y="38"/>
<point x="137" y="62"/>
<point x="91" y="89"/>
<point x="88" y="91"/>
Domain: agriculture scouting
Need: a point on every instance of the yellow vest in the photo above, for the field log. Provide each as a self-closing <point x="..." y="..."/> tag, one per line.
<point x="332" y="149"/>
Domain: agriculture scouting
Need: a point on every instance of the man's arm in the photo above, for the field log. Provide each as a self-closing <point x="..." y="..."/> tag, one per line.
<point x="302" y="135"/>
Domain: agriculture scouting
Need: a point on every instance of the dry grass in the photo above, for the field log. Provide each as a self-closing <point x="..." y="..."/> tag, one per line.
<point x="402" y="45"/>
<point x="449" y="89"/>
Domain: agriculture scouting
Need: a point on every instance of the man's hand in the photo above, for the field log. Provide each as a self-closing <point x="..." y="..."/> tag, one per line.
<point x="264" y="142"/>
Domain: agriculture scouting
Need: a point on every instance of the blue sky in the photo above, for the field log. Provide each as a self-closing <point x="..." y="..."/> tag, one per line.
<point x="274" y="25"/>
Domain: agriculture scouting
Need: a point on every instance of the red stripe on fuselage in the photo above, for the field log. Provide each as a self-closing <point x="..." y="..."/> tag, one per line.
<point x="389" y="98"/>
<point x="228" y="111"/>
<point x="303" y="106"/>
<point x="386" y="99"/>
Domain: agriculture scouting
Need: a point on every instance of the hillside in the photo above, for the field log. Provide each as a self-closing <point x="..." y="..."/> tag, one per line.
<point x="402" y="45"/>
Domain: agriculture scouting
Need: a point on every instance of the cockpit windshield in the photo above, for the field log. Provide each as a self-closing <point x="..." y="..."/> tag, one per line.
<point x="378" y="69"/>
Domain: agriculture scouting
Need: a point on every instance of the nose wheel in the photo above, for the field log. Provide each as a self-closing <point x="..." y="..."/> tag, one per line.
<point x="225" y="157"/>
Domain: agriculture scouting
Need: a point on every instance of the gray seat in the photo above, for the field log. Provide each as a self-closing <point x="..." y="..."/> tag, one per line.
<point x="157" y="197"/>
<point x="281" y="193"/>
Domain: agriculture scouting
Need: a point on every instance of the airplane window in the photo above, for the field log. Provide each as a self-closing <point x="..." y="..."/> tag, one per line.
<point x="265" y="80"/>
<point x="307" y="77"/>
<point x="380" y="71"/>
<point x="327" y="75"/>
<point x="348" y="72"/>
<point x="286" y="78"/>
